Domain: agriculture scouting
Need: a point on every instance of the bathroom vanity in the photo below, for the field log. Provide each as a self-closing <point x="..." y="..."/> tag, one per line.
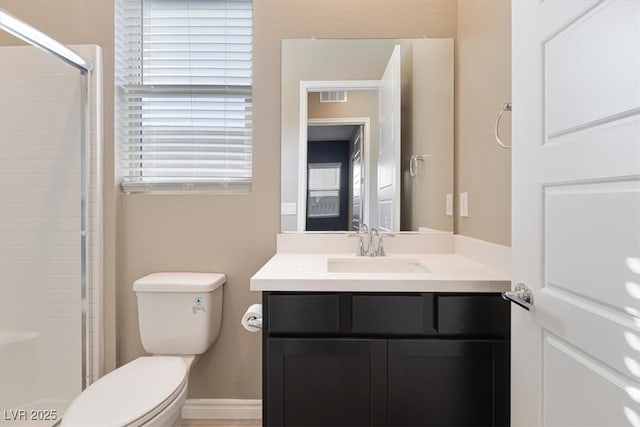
<point x="356" y="341"/>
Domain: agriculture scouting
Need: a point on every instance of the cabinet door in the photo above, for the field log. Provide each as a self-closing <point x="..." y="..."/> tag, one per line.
<point x="326" y="382"/>
<point x="448" y="383"/>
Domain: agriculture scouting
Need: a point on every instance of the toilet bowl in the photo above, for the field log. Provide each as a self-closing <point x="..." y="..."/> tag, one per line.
<point x="179" y="316"/>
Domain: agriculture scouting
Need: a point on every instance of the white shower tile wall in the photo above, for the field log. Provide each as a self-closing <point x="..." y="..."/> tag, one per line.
<point x="40" y="192"/>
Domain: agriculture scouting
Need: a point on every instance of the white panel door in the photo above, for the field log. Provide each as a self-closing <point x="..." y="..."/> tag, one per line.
<point x="356" y="181"/>
<point x="389" y="151"/>
<point x="576" y="212"/>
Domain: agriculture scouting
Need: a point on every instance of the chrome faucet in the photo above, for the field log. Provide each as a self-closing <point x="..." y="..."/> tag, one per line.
<point x="371" y="250"/>
<point x="371" y="245"/>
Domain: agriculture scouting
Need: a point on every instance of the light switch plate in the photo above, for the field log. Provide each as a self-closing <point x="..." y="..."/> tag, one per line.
<point x="464" y="204"/>
<point x="449" y="204"/>
<point x="288" y="208"/>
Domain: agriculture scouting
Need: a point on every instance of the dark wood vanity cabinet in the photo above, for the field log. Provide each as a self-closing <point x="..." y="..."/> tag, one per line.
<point x="380" y="359"/>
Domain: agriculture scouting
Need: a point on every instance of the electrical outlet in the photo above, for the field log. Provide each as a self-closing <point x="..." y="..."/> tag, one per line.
<point x="464" y="204"/>
<point x="449" y="204"/>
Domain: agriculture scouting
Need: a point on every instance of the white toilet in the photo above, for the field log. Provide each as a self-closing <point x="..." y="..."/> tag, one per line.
<point x="179" y="316"/>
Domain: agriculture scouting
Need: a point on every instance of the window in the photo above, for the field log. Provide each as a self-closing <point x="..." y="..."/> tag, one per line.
<point x="323" y="199"/>
<point x="183" y="108"/>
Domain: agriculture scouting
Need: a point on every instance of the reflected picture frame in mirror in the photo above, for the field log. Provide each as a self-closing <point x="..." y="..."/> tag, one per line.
<point x="424" y="128"/>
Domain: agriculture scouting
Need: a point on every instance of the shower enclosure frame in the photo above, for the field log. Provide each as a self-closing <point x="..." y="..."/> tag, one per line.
<point x="36" y="38"/>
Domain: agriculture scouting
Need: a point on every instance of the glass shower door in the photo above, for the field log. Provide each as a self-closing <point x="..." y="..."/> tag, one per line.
<point x="41" y="337"/>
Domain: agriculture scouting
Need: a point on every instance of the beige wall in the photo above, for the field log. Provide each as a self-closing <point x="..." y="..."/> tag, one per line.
<point x="359" y="104"/>
<point x="85" y="22"/>
<point x="427" y="129"/>
<point x="483" y="85"/>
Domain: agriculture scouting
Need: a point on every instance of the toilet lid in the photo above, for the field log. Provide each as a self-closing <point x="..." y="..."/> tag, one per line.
<point x="128" y="394"/>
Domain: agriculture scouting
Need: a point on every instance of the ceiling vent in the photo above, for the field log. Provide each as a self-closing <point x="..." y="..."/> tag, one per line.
<point x="333" y="96"/>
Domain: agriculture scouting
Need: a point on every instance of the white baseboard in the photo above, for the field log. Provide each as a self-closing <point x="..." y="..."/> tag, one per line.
<point x="222" y="409"/>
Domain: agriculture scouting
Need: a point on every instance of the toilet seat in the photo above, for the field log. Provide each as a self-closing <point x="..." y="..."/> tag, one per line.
<point x="131" y="395"/>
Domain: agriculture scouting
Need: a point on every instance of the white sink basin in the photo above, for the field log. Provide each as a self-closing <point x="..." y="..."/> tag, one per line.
<point x="375" y="265"/>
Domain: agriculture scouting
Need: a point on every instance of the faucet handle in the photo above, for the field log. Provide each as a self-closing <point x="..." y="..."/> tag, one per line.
<point x="360" y="250"/>
<point x="363" y="228"/>
<point x="380" y="251"/>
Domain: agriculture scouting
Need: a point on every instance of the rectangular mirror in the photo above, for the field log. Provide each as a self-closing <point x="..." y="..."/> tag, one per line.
<point x="367" y="134"/>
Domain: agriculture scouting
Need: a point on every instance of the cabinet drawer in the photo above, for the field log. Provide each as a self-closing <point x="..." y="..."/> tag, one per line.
<point x="393" y="314"/>
<point x="309" y="314"/>
<point x="473" y="315"/>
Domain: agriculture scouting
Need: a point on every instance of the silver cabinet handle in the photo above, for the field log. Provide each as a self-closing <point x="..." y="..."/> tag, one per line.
<point x="521" y="295"/>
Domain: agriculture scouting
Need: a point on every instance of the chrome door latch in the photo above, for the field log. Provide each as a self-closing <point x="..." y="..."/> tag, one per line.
<point x="521" y="295"/>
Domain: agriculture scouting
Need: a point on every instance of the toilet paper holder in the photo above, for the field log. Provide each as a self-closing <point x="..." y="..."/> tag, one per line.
<point x="252" y="318"/>
<point x="254" y="321"/>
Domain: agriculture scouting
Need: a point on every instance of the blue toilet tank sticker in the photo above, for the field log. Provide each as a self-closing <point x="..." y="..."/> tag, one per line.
<point x="198" y="305"/>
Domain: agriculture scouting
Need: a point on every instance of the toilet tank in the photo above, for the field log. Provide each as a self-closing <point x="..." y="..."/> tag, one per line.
<point x="179" y="313"/>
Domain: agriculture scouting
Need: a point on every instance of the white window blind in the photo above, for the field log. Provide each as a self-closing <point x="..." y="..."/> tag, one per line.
<point x="323" y="190"/>
<point x="184" y="94"/>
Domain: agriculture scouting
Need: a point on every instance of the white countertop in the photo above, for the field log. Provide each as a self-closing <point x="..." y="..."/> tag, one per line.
<point x="308" y="272"/>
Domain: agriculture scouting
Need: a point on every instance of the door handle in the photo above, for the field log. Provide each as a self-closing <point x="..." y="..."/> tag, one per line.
<point x="521" y="295"/>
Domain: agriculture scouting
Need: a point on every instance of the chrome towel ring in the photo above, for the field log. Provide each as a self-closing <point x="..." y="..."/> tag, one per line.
<point x="413" y="163"/>
<point x="505" y="107"/>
